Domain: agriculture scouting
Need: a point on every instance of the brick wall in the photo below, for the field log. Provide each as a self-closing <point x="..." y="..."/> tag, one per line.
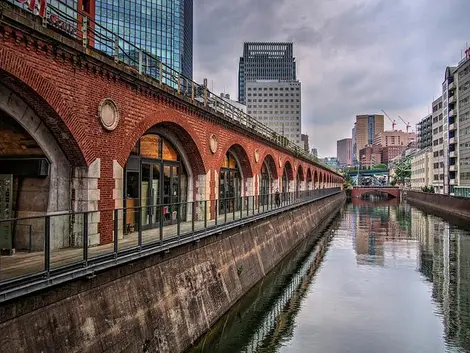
<point x="65" y="86"/>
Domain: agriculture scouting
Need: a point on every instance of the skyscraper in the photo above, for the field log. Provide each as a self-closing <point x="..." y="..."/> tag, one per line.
<point x="162" y="28"/>
<point x="276" y="104"/>
<point x="267" y="85"/>
<point x="344" y="152"/>
<point x="265" y="61"/>
<point x="366" y="127"/>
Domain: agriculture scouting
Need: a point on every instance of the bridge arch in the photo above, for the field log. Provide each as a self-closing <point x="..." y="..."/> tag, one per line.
<point x="316" y="179"/>
<point x="359" y="192"/>
<point x="287" y="178"/>
<point x="300" y="178"/>
<point x="309" y="179"/>
<point x="35" y="169"/>
<point x="48" y="103"/>
<point x="234" y="175"/>
<point x="268" y="180"/>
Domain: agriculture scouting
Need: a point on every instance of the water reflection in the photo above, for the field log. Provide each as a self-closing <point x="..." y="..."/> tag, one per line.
<point x="391" y="279"/>
<point x="445" y="261"/>
<point x="264" y="317"/>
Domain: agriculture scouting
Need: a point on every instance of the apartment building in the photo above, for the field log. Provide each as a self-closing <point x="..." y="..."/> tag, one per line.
<point x="438" y="171"/>
<point x="456" y="127"/>
<point x="394" y="138"/>
<point x="422" y="169"/>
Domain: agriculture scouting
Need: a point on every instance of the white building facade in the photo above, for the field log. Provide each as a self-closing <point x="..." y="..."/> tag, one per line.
<point x="422" y="169"/>
<point x="276" y="104"/>
<point x="438" y="171"/>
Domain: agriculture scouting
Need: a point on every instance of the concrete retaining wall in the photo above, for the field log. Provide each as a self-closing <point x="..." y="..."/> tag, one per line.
<point x="161" y="303"/>
<point x="450" y="205"/>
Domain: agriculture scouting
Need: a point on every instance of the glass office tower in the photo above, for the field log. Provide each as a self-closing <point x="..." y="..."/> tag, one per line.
<point x="161" y="27"/>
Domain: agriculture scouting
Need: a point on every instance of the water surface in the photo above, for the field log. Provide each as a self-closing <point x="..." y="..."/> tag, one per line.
<point x="384" y="277"/>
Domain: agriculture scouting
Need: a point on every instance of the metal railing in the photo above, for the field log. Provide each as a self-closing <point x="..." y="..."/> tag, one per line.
<point x="72" y="245"/>
<point x="138" y="61"/>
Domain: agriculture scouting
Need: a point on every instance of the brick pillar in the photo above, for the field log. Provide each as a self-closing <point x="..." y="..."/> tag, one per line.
<point x="86" y="197"/>
<point x="118" y="194"/>
<point x="203" y="193"/>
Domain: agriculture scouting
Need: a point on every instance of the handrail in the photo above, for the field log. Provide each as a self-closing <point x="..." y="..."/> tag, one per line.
<point x="193" y="221"/>
<point x="93" y="35"/>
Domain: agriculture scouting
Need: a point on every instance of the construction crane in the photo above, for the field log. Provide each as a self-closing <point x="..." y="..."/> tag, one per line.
<point x="404" y="122"/>
<point x="392" y="121"/>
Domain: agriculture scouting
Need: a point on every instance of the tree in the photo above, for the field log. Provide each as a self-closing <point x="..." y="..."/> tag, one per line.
<point x="380" y="167"/>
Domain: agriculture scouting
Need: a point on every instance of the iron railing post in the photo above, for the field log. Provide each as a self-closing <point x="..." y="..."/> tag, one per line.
<point x="47" y="245"/>
<point x="85" y="238"/>
<point x="116" y="231"/>
<point x="140" y="62"/>
<point x="205" y="214"/>
<point x="193" y="211"/>
<point x="116" y="49"/>
<point x="178" y="216"/>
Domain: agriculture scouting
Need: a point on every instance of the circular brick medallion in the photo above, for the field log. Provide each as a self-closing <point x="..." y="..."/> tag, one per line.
<point x="108" y="114"/>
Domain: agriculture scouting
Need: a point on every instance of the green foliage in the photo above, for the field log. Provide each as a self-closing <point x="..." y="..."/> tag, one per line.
<point x="429" y="189"/>
<point x="380" y="167"/>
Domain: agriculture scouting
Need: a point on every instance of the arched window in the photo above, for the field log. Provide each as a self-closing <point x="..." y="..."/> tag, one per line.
<point x="230" y="185"/>
<point x="265" y="184"/>
<point x="297" y="185"/>
<point x="156" y="180"/>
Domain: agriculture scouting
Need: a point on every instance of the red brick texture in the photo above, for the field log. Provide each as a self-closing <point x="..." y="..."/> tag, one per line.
<point x="65" y="87"/>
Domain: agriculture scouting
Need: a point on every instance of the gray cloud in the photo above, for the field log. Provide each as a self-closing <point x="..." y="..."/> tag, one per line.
<point x="353" y="56"/>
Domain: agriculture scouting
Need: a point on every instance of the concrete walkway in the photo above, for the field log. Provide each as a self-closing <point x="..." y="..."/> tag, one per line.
<point x="24" y="263"/>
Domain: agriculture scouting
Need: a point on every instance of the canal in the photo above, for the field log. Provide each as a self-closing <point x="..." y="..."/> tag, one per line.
<point x="383" y="277"/>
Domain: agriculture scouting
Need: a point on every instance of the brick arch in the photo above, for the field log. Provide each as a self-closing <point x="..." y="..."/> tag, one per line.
<point x="184" y="135"/>
<point x="47" y="102"/>
<point x="309" y="175"/>
<point x="243" y="159"/>
<point x="271" y="164"/>
<point x="315" y="178"/>
<point x="300" y="172"/>
<point x="290" y="172"/>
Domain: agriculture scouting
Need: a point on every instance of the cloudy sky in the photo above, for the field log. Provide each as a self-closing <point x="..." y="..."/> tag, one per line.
<point x="353" y="56"/>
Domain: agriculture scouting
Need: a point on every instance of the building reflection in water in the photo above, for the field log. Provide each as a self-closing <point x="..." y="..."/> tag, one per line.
<point x="445" y="261"/>
<point x="388" y="232"/>
<point x="377" y="230"/>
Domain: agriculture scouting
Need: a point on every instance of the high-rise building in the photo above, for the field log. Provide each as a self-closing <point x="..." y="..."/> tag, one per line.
<point x="353" y="143"/>
<point x="265" y="61"/>
<point x="438" y="146"/>
<point x="277" y="104"/>
<point x="456" y="127"/>
<point x="344" y="152"/>
<point x="161" y="28"/>
<point x="366" y="127"/>
<point x="314" y="152"/>
<point x="390" y="152"/>
<point x="394" y="138"/>
<point x="370" y="155"/>
<point x="304" y="139"/>
<point x="424" y="132"/>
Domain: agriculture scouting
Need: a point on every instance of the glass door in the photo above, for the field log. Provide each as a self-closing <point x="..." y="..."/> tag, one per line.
<point x="146" y="193"/>
<point x="150" y="194"/>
